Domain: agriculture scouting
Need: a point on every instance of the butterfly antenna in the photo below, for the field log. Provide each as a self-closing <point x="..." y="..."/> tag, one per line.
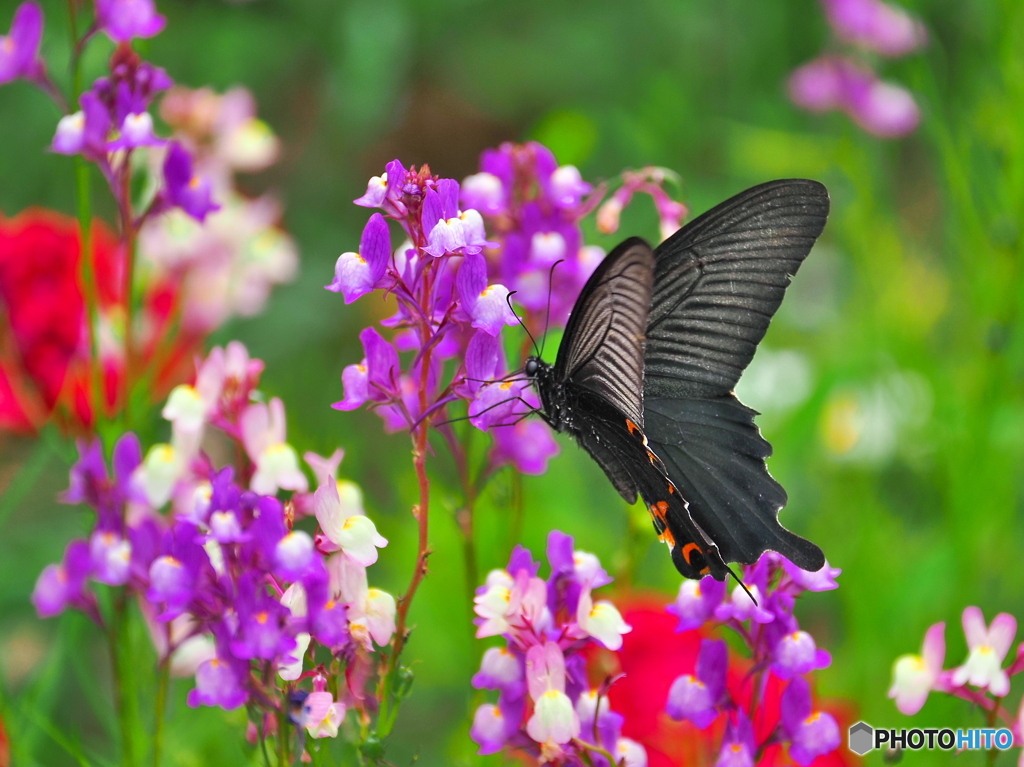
<point x="742" y="585"/>
<point x="508" y="300"/>
<point x="547" y="309"/>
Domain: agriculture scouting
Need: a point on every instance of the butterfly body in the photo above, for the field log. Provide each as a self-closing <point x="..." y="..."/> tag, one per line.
<point x="662" y="336"/>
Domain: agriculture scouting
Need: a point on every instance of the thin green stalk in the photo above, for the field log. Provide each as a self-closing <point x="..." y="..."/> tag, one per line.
<point x="128" y="234"/>
<point x="282" y="740"/>
<point x="161" y="707"/>
<point x="91" y="293"/>
<point x="117" y="633"/>
<point x="84" y="204"/>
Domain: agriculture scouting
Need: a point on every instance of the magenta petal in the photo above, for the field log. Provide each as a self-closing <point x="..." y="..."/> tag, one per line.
<point x="375" y="246"/>
<point x="1001" y="633"/>
<point x="19" y="50"/>
<point x="934" y="649"/>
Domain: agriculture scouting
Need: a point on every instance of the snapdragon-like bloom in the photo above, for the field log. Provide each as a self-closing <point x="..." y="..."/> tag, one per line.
<point x="183" y="187"/>
<point x="230" y="589"/>
<point x="356" y="274"/>
<point x="811" y="733"/>
<point x="277" y="463"/>
<point x="344" y="525"/>
<point x="987" y="646"/>
<point x="540" y="671"/>
<point x="914" y="676"/>
<point x="831" y="83"/>
<point x="469" y="246"/>
<point x="696" y="696"/>
<point x="882" y="27"/>
<point x="19" y="48"/>
<point x="124" y="20"/>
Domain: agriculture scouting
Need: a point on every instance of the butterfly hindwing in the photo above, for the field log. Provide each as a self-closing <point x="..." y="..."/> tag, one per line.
<point x="719" y="280"/>
<point x="602" y="350"/>
<point x="716" y="457"/>
<point x="621" y="448"/>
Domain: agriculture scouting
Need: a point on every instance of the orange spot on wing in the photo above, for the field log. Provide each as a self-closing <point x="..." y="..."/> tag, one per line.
<point x="688" y="550"/>
<point x="633" y="428"/>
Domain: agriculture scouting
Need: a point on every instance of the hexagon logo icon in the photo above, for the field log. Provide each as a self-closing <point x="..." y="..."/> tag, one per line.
<point x="861" y="738"/>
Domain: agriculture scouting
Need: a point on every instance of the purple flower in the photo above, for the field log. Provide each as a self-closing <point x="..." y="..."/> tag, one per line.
<point x="493" y="725"/>
<point x="261" y="624"/>
<point x="170" y="584"/>
<point x="795" y="653"/>
<point x="527" y="445"/>
<point x="501" y="669"/>
<point x="696" y="602"/>
<point x="217" y="684"/>
<point x="183" y="189"/>
<point x="19" y="48"/>
<point x="375" y="378"/>
<point x="356" y="274"/>
<point x="696" y="698"/>
<point x="136" y="131"/>
<point x="811" y="733"/>
<point x="123" y="20"/>
<point x="501" y="404"/>
<point x="59" y="586"/>
<point x="111" y="557"/>
<point x="738" y="745"/>
<point x="881" y="27"/>
<point x="487" y="306"/>
<point x="294" y="555"/>
<point x="565" y="187"/>
<point x="914" y="676"/>
<point x="483" y="192"/>
<point x="833" y="83"/>
<point x="820" y="580"/>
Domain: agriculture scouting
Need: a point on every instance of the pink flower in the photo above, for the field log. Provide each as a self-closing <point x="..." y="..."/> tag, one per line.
<point x="554" y="720"/>
<point x="339" y="511"/>
<point x="277" y="464"/>
<point x="914" y="676"/>
<point x="988" y="646"/>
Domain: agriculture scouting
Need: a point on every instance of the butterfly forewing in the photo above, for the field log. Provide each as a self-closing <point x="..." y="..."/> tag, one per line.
<point x="603" y="347"/>
<point x="719" y="280"/>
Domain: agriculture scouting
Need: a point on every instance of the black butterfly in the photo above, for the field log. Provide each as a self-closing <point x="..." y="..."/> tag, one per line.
<point x="644" y="375"/>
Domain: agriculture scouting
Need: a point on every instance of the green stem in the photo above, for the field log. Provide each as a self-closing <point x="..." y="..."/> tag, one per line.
<point x="282" y="738"/>
<point x="87" y="265"/>
<point x="91" y="293"/>
<point x="128" y="234"/>
<point x="116" y="634"/>
<point x="161" y="707"/>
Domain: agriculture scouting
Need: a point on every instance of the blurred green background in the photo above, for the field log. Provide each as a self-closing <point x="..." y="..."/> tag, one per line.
<point x="892" y="381"/>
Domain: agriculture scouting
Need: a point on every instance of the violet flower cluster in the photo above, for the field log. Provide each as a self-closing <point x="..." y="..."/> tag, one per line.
<point x="236" y="593"/>
<point x="194" y="250"/>
<point x="228" y="264"/>
<point x="981" y="679"/>
<point x="847" y="82"/>
<point x="512" y="228"/>
<point x="546" y="707"/>
<point x="762" y="615"/>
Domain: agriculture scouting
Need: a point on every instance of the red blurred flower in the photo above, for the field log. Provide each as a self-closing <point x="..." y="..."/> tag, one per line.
<point x="653" y="655"/>
<point x="45" y="360"/>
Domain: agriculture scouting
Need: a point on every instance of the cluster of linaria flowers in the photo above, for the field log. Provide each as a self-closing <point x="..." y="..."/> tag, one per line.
<point x="260" y="611"/>
<point x="980" y="679"/>
<point x="545" y="705"/>
<point x="847" y="82"/>
<point x="205" y="252"/>
<point x="513" y="227"/>
<point x="727" y="687"/>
